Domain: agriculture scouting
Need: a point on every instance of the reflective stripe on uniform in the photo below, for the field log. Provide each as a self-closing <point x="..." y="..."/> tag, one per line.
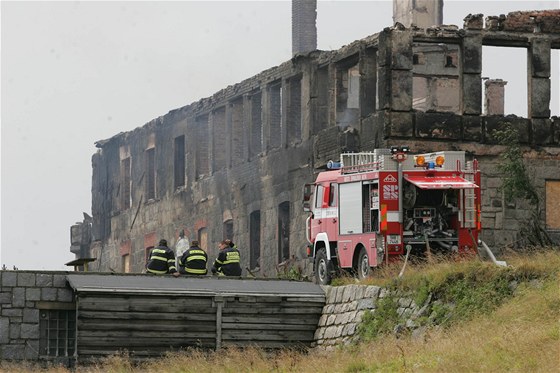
<point x="196" y="271"/>
<point x="196" y="257"/>
<point x="156" y="271"/>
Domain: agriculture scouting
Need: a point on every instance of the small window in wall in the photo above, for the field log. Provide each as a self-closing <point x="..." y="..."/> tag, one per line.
<point x="201" y="153"/>
<point x="203" y="238"/>
<point x="150" y="174"/>
<point x="125" y="186"/>
<point x="555" y="83"/>
<point x="57" y="333"/>
<point x="237" y="133"/>
<point x="179" y="161"/>
<point x="347" y="95"/>
<point x="219" y="139"/>
<point x="124" y="251"/>
<point x="435" y="83"/>
<point x="125" y="261"/>
<point x="513" y="98"/>
<point x="322" y="100"/>
<point x="228" y="230"/>
<point x="552" y="200"/>
<point x="255" y="147"/>
<point x="275" y="112"/>
<point x="294" y="122"/>
<point x="283" y="231"/>
<point x="255" y="239"/>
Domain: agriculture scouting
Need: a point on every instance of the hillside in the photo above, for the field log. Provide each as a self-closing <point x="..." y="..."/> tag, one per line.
<point x="502" y="320"/>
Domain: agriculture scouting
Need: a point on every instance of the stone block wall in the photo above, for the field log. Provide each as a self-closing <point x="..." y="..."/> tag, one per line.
<point x="22" y="295"/>
<point x="345" y="307"/>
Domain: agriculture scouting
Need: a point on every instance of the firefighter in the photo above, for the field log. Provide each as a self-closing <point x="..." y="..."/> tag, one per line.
<point x="194" y="260"/>
<point x="162" y="260"/>
<point x="227" y="262"/>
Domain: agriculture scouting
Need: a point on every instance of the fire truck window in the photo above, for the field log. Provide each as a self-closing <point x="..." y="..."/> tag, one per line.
<point x="319" y="196"/>
<point x="326" y="196"/>
<point x="333" y="194"/>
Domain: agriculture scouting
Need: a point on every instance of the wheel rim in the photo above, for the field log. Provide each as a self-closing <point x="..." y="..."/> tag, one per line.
<point x="364" y="266"/>
<point x="322" y="270"/>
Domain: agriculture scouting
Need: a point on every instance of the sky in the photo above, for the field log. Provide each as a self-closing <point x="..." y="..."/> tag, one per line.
<point x="73" y="73"/>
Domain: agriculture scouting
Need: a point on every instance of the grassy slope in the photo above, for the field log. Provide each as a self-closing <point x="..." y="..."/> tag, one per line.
<point x="521" y="335"/>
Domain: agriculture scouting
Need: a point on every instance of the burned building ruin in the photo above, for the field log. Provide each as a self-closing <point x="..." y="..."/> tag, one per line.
<point x="233" y="165"/>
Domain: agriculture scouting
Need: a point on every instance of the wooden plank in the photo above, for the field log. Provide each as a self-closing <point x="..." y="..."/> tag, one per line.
<point x="308" y="337"/>
<point x="272" y="310"/>
<point x="281" y="319"/>
<point x="268" y="344"/>
<point x="320" y="300"/>
<point x="266" y="327"/>
<point x="106" y="327"/>
<point x="126" y="342"/>
<point x="144" y="316"/>
<point x="93" y="353"/>
<point x="153" y="307"/>
<point x="146" y="299"/>
<point x="169" y="335"/>
<point x="114" y="303"/>
<point x="259" y="299"/>
<point x="275" y="304"/>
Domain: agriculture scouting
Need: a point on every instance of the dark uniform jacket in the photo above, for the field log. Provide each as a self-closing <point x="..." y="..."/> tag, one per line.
<point x="227" y="262"/>
<point x="194" y="260"/>
<point x="162" y="261"/>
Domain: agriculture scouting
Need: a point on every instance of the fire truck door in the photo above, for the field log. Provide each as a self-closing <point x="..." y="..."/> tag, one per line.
<point x="325" y="211"/>
<point x="331" y="215"/>
<point x="318" y="222"/>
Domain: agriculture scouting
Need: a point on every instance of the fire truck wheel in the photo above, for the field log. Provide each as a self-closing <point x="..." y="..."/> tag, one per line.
<point x="363" y="264"/>
<point x="322" y="271"/>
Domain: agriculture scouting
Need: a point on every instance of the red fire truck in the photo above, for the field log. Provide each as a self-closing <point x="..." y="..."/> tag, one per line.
<point x="373" y="207"/>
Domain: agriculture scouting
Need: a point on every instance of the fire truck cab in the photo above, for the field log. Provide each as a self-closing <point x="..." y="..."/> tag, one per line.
<point x="373" y="207"/>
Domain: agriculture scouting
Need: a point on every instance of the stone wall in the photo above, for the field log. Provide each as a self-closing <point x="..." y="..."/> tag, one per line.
<point x="345" y="307"/>
<point x="22" y="295"/>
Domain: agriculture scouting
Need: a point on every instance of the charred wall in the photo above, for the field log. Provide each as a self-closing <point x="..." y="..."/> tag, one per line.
<point x="249" y="148"/>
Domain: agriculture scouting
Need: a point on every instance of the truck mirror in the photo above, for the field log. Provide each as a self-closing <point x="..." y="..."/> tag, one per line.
<point x="307" y="194"/>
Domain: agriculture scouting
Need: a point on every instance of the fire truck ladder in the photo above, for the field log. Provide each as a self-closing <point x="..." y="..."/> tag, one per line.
<point x="469" y="210"/>
<point x="359" y="162"/>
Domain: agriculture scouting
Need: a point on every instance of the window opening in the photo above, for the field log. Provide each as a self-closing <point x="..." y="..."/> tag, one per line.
<point x="150" y="174"/>
<point x="275" y="115"/>
<point x="435" y="83"/>
<point x="57" y="333"/>
<point x="256" y="124"/>
<point x="179" y="161"/>
<point x="125" y="184"/>
<point x="228" y="230"/>
<point x="203" y="238"/>
<point x="283" y="231"/>
<point x="513" y="97"/>
<point x="255" y="239"/>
